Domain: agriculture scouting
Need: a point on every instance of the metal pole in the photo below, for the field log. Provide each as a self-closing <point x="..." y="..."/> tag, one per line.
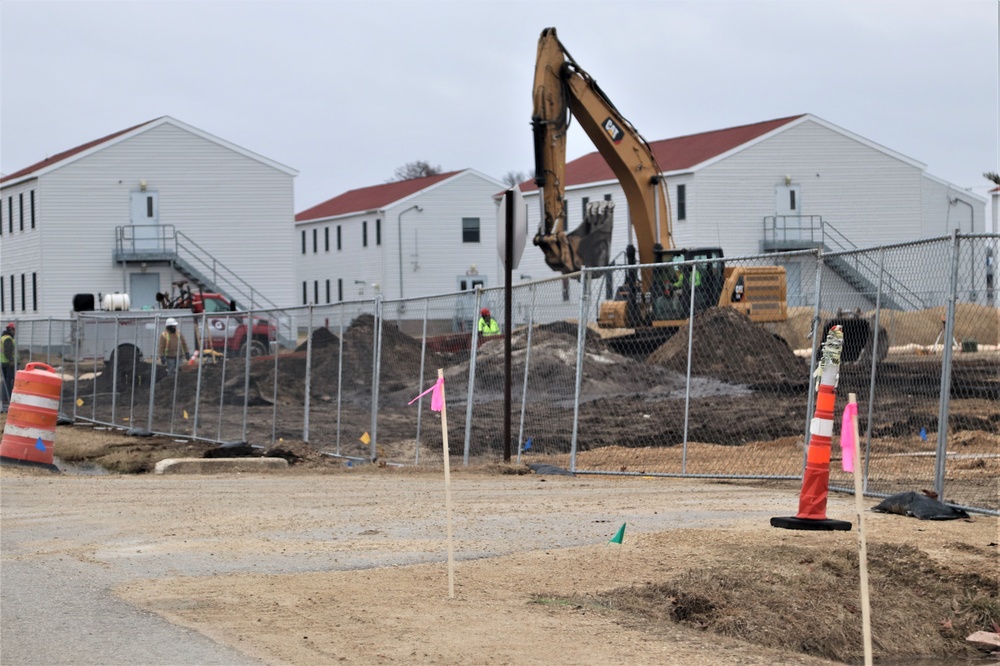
<point x="524" y="384"/>
<point x="199" y="348"/>
<point x="135" y="374"/>
<point x="949" y="333"/>
<point x="273" y="344"/>
<point x="420" y="402"/>
<point x="246" y="374"/>
<point x="114" y="376"/>
<point x="340" y="374"/>
<point x="874" y="368"/>
<point x="581" y="340"/>
<point x="308" y="397"/>
<point x="222" y="387"/>
<point x="152" y="374"/>
<point x="472" y="378"/>
<point x="76" y="326"/>
<point x="687" y="385"/>
<point x="376" y="370"/>
<point x="815" y="334"/>
<point x="508" y="268"/>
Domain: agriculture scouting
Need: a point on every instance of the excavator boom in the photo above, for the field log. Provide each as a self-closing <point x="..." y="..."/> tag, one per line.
<point x="562" y="89"/>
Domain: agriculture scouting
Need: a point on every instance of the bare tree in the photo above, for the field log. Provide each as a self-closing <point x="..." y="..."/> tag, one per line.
<point x="411" y="170"/>
<point x="512" y="178"/>
<point x="992" y="175"/>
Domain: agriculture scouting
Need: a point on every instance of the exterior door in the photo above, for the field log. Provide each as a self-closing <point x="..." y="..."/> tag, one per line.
<point x="788" y="211"/>
<point x="142" y="288"/>
<point x="145" y="218"/>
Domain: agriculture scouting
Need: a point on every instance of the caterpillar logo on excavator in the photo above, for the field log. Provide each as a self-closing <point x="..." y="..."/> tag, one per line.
<point x="651" y="303"/>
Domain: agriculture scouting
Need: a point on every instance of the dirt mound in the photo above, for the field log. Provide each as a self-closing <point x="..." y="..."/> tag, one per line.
<point x="730" y="347"/>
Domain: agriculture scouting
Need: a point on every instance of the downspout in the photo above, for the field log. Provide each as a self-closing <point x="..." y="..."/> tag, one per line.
<point x="399" y="232"/>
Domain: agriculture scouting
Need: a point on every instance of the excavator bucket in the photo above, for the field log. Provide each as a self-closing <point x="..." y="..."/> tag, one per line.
<point x="587" y="245"/>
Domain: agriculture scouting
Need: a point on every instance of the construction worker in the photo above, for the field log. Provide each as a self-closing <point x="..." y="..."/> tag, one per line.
<point x="487" y="324"/>
<point x="172" y="345"/>
<point x="8" y="363"/>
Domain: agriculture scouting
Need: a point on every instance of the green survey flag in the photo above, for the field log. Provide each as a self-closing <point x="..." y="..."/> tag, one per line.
<point x="617" y="538"/>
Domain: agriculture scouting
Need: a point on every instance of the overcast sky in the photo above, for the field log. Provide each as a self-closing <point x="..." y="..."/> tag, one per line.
<point x="345" y="92"/>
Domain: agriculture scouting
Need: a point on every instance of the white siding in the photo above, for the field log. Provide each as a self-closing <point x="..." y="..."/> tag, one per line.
<point x="237" y="208"/>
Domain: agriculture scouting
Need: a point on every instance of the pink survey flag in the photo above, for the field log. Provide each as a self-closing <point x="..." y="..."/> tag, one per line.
<point x="437" y="398"/>
<point x="847" y="436"/>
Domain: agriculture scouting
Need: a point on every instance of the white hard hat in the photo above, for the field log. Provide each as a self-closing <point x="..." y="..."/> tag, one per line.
<point x="171" y="321"/>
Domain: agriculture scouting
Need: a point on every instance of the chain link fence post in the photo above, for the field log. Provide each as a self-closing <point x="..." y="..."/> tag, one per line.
<point x="581" y="340"/>
<point x="949" y="332"/>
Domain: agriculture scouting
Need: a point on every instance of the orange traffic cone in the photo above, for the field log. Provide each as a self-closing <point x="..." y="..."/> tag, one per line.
<point x="30" y="429"/>
<point x="816" y="479"/>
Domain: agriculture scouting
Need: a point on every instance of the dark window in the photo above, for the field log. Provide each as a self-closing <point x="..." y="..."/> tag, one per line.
<point x="565" y="290"/>
<point x="32" y="209"/>
<point x="3" y="296"/>
<point x="315" y="241"/>
<point x="20" y="209"/>
<point x="378" y="232"/>
<point x="315" y="291"/>
<point x="583" y="207"/>
<point x="791" y="200"/>
<point x="328" y="290"/>
<point x="338" y="236"/>
<point x="305" y="291"/>
<point x="470" y="229"/>
<point x="303" y="241"/>
<point x="340" y="289"/>
<point x="34" y="292"/>
<point x="682" y="202"/>
<point x="607" y="197"/>
<point x="364" y="234"/>
<point x="326" y="239"/>
<point x="13" y="303"/>
<point x="10" y="214"/>
<point x="149" y="207"/>
<point x="24" y="301"/>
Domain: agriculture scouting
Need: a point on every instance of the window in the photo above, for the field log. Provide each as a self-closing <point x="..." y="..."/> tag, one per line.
<point x="326" y="239"/>
<point x="338" y="236"/>
<point x="305" y="291"/>
<point x="315" y="241"/>
<point x="470" y="229"/>
<point x="24" y="301"/>
<point x="20" y="209"/>
<point x="583" y="207"/>
<point x="13" y="303"/>
<point x="32" y="209"/>
<point x="328" y="290"/>
<point x="315" y="291"/>
<point x="10" y="214"/>
<point x="378" y="232"/>
<point x="682" y="202"/>
<point x="607" y="197"/>
<point x="34" y="292"/>
<point x="364" y="234"/>
<point x="3" y="305"/>
<point x="303" y="241"/>
<point x="565" y="290"/>
<point x="340" y="289"/>
<point x="791" y="199"/>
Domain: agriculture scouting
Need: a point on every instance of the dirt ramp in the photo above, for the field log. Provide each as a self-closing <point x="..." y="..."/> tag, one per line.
<point x="730" y="347"/>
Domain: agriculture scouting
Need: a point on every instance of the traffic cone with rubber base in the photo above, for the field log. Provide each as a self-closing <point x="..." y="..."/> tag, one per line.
<point x="816" y="479"/>
<point x="30" y="429"/>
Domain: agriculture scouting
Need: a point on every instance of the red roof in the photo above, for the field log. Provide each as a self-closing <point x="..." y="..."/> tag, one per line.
<point x="59" y="157"/>
<point x="675" y="154"/>
<point x="370" y="198"/>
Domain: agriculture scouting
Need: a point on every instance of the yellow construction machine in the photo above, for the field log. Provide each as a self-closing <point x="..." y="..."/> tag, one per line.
<point x="652" y="302"/>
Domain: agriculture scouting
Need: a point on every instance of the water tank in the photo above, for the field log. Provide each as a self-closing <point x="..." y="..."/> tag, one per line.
<point x="115" y="302"/>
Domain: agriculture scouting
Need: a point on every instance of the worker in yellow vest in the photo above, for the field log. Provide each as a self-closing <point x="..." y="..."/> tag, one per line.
<point x="487" y="324"/>
<point x="172" y="347"/>
<point x="8" y="363"/>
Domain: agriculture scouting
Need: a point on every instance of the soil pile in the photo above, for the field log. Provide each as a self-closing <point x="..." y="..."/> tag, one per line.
<point x="730" y="347"/>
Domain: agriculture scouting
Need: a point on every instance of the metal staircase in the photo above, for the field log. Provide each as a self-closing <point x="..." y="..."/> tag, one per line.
<point x="858" y="269"/>
<point x="163" y="243"/>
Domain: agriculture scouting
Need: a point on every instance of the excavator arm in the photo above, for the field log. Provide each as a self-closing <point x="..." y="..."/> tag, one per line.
<point x="562" y="89"/>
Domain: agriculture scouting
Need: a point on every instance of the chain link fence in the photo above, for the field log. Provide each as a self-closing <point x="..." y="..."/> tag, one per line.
<point x="609" y="374"/>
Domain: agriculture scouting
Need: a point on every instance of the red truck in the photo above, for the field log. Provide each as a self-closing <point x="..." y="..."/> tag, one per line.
<point x="225" y="327"/>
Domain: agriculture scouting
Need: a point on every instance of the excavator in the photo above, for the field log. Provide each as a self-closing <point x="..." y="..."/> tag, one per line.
<point x="652" y="303"/>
